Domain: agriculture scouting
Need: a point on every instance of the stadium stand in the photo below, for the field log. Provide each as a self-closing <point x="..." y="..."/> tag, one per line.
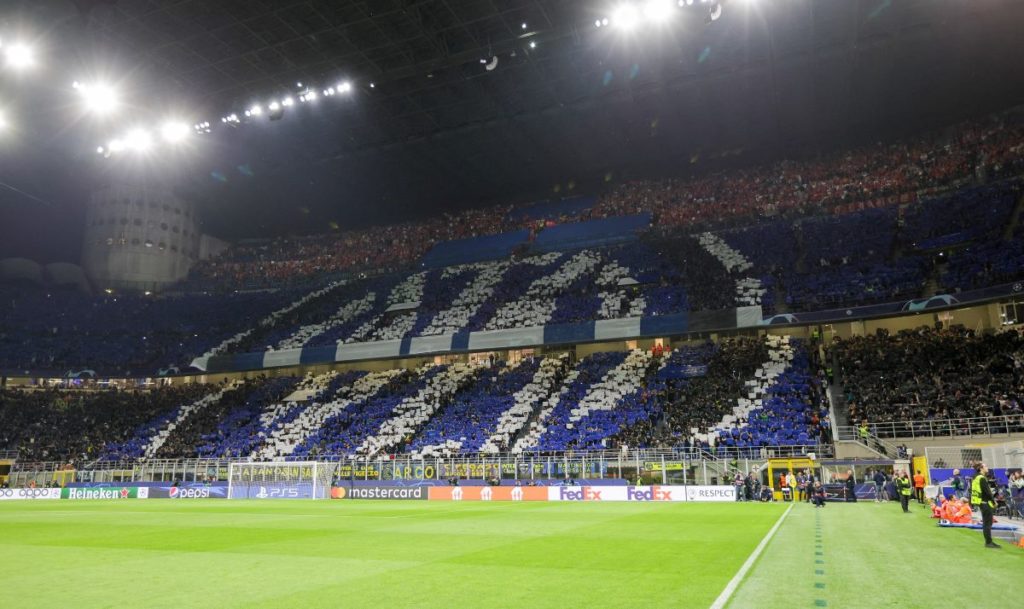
<point x="560" y="210"/>
<point x="474" y="249"/>
<point x="592" y="233"/>
<point x="536" y="405"/>
<point x="928" y="374"/>
<point x="853" y="228"/>
<point x="75" y="426"/>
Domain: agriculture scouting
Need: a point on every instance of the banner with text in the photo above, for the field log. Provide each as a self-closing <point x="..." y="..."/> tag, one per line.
<point x="28" y="494"/>
<point x="111" y="492"/>
<point x="397" y="493"/>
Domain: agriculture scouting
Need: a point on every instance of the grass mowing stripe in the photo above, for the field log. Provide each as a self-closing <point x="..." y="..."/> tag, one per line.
<point x="723" y="598"/>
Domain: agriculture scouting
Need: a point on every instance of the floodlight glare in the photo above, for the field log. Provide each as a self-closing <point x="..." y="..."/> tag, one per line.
<point x="657" y="11"/>
<point x="100" y="150"/>
<point x="99" y="99"/>
<point x="254" y="111"/>
<point x="115" y="146"/>
<point x="3" y="121"/>
<point x="287" y="102"/>
<point x="274" y="106"/>
<point x="533" y="44"/>
<point x="19" y="56"/>
<point x="345" y="87"/>
<point x="138" y="139"/>
<point x="625" y="17"/>
<point x="173" y="131"/>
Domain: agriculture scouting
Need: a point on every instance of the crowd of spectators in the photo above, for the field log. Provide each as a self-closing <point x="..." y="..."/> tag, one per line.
<point x="879" y="174"/>
<point x="893" y="172"/>
<point x="75" y="426"/>
<point x="928" y="375"/>
<point x="120" y="334"/>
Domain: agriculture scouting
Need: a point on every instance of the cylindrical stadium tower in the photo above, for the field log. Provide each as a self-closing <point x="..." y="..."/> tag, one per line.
<point x="139" y="238"/>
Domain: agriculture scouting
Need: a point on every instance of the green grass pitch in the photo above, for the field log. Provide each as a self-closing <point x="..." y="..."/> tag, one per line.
<point x="354" y="554"/>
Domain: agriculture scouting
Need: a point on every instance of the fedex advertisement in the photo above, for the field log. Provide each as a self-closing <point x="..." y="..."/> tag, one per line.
<point x="617" y="493"/>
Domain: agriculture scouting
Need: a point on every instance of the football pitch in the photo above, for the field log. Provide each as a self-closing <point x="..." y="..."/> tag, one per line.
<point x="355" y="554"/>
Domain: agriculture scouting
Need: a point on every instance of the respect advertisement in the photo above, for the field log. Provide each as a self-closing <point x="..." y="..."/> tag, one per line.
<point x="488" y="493"/>
<point x="28" y="494"/>
<point x="107" y="492"/>
<point x="711" y="493"/>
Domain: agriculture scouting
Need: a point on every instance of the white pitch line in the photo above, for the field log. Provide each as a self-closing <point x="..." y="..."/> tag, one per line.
<point x="734" y="583"/>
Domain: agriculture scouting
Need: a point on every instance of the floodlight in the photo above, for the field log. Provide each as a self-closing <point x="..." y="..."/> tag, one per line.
<point x="100" y="150"/>
<point x="657" y="11"/>
<point x="597" y="23"/>
<point x="3" y="121"/>
<point x="533" y="44"/>
<point x="625" y="17"/>
<point x="274" y="106"/>
<point x="716" y="11"/>
<point x="287" y="102"/>
<point x="173" y="131"/>
<point x="115" y="146"/>
<point x="311" y="96"/>
<point x="99" y="98"/>
<point x="345" y="87"/>
<point x="524" y="25"/>
<point x="254" y="111"/>
<point x="138" y="139"/>
<point x="19" y="56"/>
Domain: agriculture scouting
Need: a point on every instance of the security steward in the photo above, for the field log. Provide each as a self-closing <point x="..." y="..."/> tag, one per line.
<point x="903" y="489"/>
<point x="981" y="496"/>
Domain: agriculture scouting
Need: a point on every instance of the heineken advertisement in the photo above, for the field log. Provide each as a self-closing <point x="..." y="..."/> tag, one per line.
<point x="106" y="492"/>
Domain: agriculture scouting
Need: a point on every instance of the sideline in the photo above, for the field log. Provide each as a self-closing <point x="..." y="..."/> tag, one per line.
<point x="734" y="583"/>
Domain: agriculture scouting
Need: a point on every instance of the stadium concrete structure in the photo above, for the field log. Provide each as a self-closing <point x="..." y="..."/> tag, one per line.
<point x="471" y="304"/>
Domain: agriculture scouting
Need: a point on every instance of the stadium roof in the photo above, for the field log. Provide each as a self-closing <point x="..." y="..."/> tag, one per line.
<point x="569" y="104"/>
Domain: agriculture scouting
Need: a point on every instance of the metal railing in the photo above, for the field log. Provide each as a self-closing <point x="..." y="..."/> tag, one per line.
<point x="886" y="448"/>
<point x="665" y="466"/>
<point x="8" y="454"/>
<point x="942" y="428"/>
